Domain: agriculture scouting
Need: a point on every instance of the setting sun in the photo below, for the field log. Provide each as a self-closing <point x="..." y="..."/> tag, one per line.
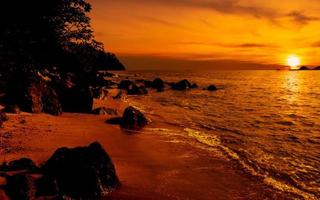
<point x="293" y="61"/>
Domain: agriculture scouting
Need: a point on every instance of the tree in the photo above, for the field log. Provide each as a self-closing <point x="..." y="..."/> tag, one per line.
<point x="46" y="33"/>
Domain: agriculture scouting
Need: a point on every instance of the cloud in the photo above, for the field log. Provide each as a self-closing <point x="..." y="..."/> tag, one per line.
<point x="301" y="19"/>
<point x="242" y="45"/>
<point x="316" y="44"/>
<point x="164" y="22"/>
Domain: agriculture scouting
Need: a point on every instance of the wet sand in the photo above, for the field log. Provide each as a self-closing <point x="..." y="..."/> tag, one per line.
<point x="149" y="166"/>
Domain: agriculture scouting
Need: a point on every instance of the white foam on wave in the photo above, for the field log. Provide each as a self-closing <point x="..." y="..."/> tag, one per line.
<point x="215" y="142"/>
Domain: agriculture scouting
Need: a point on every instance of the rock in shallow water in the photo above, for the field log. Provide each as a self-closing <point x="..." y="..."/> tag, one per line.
<point x="78" y="173"/>
<point x="182" y="85"/>
<point x="212" y="88"/>
<point x="133" y="119"/>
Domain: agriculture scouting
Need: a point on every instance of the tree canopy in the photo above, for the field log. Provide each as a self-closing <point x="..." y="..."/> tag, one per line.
<point x="50" y="33"/>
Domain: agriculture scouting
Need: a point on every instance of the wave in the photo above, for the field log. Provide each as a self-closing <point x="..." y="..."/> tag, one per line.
<point x="246" y="164"/>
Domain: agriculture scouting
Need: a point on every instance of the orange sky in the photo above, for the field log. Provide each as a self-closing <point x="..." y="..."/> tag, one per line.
<point x="218" y="34"/>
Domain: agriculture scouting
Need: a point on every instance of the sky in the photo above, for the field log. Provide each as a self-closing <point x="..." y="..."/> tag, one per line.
<point x="209" y="34"/>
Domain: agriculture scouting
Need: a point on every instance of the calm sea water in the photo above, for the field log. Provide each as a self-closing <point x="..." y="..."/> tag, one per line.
<point x="267" y="121"/>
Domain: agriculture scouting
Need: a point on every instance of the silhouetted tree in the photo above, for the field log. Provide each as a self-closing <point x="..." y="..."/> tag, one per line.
<point x="48" y="33"/>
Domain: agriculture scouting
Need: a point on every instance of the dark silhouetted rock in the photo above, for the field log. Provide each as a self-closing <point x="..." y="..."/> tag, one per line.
<point x="78" y="173"/>
<point x="18" y="165"/>
<point x="105" y="111"/>
<point x="115" y="121"/>
<point x="100" y="93"/>
<point x="18" y="187"/>
<point x="212" y="88"/>
<point x="133" y="119"/>
<point x="194" y="86"/>
<point x="158" y="84"/>
<point x="182" y="85"/>
<point x="12" y="108"/>
<point x="3" y="117"/>
<point x="76" y="99"/>
<point x="33" y="93"/>
<point x="148" y="84"/>
<point x="125" y="84"/>
<point x="137" y="90"/>
<point x="304" y="68"/>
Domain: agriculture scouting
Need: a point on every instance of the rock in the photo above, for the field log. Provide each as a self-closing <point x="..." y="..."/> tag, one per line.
<point x="18" y="187"/>
<point x="194" y="86"/>
<point x="125" y="84"/>
<point x="77" y="99"/>
<point x="78" y="173"/>
<point x="33" y="93"/>
<point x="3" y="117"/>
<point x="212" y="88"/>
<point x="100" y="93"/>
<point x="115" y="121"/>
<point x="182" y="85"/>
<point x="136" y="90"/>
<point x="148" y="84"/>
<point x="12" y="108"/>
<point x="133" y="119"/>
<point x="18" y="165"/>
<point x="105" y="111"/>
<point x="158" y="84"/>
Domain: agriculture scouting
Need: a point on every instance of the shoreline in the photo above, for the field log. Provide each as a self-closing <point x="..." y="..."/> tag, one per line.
<point x="149" y="166"/>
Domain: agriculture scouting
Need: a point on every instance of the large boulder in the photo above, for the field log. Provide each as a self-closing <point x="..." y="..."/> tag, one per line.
<point x="78" y="99"/>
<point x="137" y="90"/>
<point x="212" y="88"/>
<point x="125" y="84"/>
<point x="158" y="84"/>
<point x="78" y="173"/>
<point x="133" y="119"/>
<point x="18" y="187"/>
<point x="33" y="93"/>
<point x="182" y="85"/>
<point x="18" y="165"/>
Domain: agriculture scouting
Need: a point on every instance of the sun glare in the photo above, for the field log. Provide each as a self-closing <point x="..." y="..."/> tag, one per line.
<point x="293" y="61"/>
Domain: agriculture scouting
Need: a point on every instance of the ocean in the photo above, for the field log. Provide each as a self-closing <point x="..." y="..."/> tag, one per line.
<point x="266" y="121"/>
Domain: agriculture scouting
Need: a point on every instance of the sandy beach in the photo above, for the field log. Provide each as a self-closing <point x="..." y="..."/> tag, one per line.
<point x="148" y="166"/>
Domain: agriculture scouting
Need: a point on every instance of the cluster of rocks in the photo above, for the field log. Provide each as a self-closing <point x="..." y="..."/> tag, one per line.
<point x="78" y="173"/>
<point x="140" y="86"/>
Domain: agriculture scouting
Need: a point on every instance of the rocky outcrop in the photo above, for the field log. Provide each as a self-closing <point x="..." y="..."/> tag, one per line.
<point x="137" y="90"/>
<point x="125" y="84"/>
<point x="212" y="88"/>
<point x="18" y="187"/>
<point x="78" y="173"/>
<point x="133" y="119"/>
<point x="18" y="165"/>
<point x="182" y="85"/>
<point x="77" y="99"/>
<point x="158" y="84"/>
<point x="33" y="93"/>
